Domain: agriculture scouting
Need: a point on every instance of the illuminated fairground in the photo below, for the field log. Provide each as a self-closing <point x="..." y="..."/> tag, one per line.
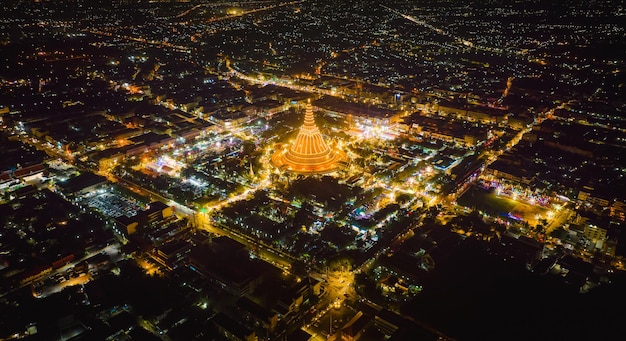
<point x="309" y="153"/>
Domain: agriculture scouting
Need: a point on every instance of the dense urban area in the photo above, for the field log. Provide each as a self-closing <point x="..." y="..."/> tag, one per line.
<point x="312" y="170"/>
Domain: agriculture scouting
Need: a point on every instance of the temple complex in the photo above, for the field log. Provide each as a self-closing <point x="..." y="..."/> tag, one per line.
<point x="309" y="153"/>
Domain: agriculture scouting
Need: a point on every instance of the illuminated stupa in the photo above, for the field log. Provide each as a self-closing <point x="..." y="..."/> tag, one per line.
<point x="309" y="153"/>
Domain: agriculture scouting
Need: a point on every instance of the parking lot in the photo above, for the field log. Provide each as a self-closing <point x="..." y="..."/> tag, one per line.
<point x="113" y="205"/>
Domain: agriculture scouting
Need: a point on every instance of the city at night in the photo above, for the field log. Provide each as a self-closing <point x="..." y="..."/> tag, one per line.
<point x="312" y="170"/>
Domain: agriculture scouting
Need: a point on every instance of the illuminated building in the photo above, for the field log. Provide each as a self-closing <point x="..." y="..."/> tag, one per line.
<point x="309" y="153"/>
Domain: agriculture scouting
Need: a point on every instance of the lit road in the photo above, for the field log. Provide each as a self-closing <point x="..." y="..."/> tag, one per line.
<point x="281" y="83"/>
<point x="256" y="10"/>
<point x="458" y="39"/>
<point x="182" y="14"/>
<point x="242" y="13"/>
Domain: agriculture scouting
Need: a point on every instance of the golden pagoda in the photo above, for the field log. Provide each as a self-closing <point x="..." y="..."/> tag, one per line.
<point x="309" y="154"/>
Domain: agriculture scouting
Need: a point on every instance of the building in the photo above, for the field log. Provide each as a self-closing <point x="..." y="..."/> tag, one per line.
<point x="356" y="326"/>
<point x="172" y="254"/>
<point x="35" y="275"/>
<point x="360" y="114"/>
<point x="309" y="154"/>
<point x="388" y="322"/>
<point x="228" y="119"/>
<point x="232" y="330"/>
<point x="257" y="315"/>
<point x="82" y="184"/>
<point x="595" y="234"/>
<point x="156" y="211"/>
<point x="511" y="170"/>
<point x="267" y="107"/>
<point x="226" y="264"/>
<point x="290" y="300"/>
